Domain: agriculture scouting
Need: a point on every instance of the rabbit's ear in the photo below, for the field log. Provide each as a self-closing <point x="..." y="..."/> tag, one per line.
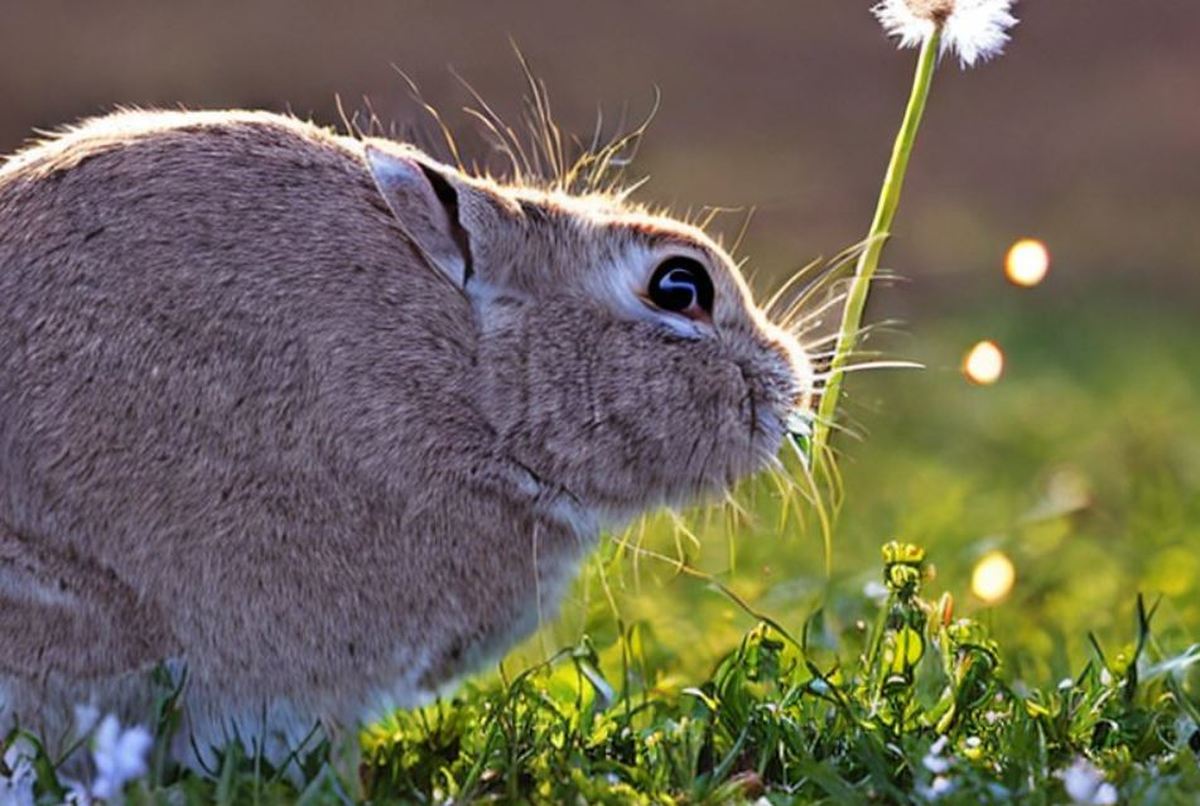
<point x="426" y="206"/>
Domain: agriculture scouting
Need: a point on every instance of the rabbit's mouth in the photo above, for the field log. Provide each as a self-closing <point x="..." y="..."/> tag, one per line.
<point x="795" y="427"/>
<point x="799" y="428"/>
<point x="777" y="406"/>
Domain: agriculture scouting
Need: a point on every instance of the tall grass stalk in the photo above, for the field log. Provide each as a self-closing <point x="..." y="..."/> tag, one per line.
<point x="868" y="261"/>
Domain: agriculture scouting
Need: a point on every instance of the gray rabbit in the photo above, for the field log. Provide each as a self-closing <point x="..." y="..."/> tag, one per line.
<point x="327" y="423"/>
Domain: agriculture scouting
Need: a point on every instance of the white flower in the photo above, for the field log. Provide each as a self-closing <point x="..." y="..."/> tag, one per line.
<point x="77" y="793"/>
<point x="939" y="787"/>
<point x="975" y="29"/>
<point x="120" y="756"/>
<point x="934" y="761"/>
<point x="1085" y="784"/>
<point x="17" y="789"/>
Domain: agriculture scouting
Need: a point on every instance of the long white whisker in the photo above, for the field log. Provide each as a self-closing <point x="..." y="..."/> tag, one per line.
<point x="789" y="283"/>
<point x="832" y="302"/>
<point x="799" y="311"/>
<point x="874" y="365"/>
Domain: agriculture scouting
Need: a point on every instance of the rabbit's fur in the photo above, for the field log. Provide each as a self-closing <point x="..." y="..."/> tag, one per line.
<point x="326" y="422"/>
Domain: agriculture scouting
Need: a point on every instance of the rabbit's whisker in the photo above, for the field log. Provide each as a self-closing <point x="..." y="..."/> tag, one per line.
<point x="871" y="365"/>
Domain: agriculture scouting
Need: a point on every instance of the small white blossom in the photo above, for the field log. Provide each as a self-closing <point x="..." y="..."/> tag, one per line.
<point x="120" y="756"/>
<point x="934" y="761"/>
<point x="976" y="30"/>
<point x="17" y="789"/>
<point x="77" y="793"/>
<point x="1086" y="785"/>
<point x="939" y="787"/>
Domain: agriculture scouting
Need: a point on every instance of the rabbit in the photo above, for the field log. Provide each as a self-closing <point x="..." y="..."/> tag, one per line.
<point x="322" y="424"/>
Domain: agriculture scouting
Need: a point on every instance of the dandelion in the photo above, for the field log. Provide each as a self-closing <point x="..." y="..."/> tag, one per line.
<point x="120" y="756"/>
<point x="974" y="29"/>
<point x="903" y="566"/>
<point x="1085" y="784"/>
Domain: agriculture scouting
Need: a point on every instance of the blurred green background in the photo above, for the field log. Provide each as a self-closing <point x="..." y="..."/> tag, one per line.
<point x="1082" y="464"/>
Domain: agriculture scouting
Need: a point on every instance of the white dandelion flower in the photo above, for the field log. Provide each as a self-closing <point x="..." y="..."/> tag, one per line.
<point x="976" y="30"/>
<point x="120" y="756"/>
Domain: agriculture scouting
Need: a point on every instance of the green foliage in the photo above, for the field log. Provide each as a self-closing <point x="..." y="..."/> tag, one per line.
<point x="771" y="721"/>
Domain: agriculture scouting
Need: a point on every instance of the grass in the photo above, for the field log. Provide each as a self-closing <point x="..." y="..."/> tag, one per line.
<point x="1082" y="466"/>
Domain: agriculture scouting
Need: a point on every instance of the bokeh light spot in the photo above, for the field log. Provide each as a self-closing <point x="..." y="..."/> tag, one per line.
<point x="993" y="577"/>
<point x="1027" y="262"/>
<point x="984" y="364"/>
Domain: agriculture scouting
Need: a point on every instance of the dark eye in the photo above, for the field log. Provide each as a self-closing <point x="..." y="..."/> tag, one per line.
<point x="681" y="285"/>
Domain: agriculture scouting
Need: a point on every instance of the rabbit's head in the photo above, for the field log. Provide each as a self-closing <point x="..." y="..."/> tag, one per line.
<point x="620" y="356"/>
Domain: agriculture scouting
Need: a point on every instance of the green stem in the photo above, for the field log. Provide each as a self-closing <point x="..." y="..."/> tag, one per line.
<point x="868" y="261"/>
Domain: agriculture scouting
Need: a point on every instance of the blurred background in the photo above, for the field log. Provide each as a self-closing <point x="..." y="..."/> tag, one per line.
<point x="1081" y="466"/>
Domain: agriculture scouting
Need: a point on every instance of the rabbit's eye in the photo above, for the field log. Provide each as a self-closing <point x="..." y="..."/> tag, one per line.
<point x="681" y="285"/>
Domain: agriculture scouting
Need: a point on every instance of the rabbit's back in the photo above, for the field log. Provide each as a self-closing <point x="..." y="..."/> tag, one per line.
<point x="193" y="303"/>
<point x="224" y="373"/>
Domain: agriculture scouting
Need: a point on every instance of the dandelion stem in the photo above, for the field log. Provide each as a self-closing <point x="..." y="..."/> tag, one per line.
<point x="868" y="261"/>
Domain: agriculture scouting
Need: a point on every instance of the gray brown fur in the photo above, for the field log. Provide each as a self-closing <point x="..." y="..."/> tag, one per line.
<point x="247" y="427"/>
